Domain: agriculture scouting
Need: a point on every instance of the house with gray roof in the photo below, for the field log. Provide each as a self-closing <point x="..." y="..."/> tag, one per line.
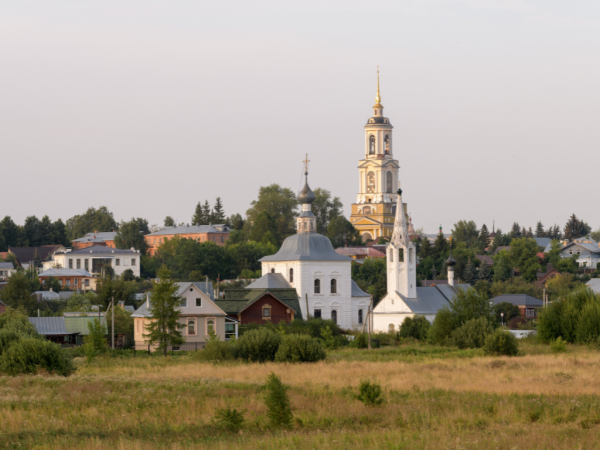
<point x="6" y="270"/>
<point x="218" y="234"/>
<point x="94" y="258"/>
<point x="104" y="238"/>
<point x="594" y="285"/>
<point x="528" y="305"/>
<point x="54" y="329"/>
<point x="587" y="252"/>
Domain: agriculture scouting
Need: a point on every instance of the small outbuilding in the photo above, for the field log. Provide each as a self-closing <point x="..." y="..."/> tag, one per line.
<point x="528" y="305"/>
<point x="55" y="330"/>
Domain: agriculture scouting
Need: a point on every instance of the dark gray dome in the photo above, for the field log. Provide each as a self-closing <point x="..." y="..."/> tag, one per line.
<point x="450" y="261"/>
<point x="306" y="194"/>
<point x="306" y="247"/>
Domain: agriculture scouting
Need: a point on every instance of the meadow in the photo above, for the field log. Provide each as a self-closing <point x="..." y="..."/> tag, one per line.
<point x="435" y="397"/>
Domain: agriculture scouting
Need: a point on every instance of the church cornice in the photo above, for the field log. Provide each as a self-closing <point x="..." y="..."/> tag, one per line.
<point x="363" y="163"/>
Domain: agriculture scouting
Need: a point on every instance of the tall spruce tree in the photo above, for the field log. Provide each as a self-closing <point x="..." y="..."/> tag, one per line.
<point x="484" y="236"/>
<point x="163" y="328"/>
<point x="529" y="233"/>
<point x="576" y="228"/>
<point x="206" y="213"/>
<point x="433" y="272"/>
<point x="515" y="233"/>
<point x="484" y="272"/>
<point x="470" y="273"/>
<point x="218" y="214"/>
<point x="539" y="230"/>
<point x="198" y="217"/>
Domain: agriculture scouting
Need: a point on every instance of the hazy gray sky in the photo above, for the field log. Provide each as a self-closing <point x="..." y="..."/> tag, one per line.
<point x="148" y="107"/>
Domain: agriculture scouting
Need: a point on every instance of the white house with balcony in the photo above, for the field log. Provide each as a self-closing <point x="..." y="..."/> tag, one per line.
<point x="94" y="258"/>
<point x="586" y="250"/>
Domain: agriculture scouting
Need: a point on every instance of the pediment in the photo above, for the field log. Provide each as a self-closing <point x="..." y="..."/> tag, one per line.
<point x="366" y="221"/>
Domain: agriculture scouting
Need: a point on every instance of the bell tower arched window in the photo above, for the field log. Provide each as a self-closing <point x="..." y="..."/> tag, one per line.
<point x="387" y="145"/>
<point x="371" y="145"/>
<point x="388" y="182"/>
<point x="371" y="183"/>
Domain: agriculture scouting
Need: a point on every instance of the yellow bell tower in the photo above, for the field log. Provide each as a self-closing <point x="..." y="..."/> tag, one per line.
<point x="375" y="208"/>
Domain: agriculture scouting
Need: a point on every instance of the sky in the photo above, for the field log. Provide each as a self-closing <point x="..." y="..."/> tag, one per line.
<point x="148" y="107"/>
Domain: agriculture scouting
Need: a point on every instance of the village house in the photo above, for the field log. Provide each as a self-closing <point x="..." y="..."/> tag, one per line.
<point x="6" y="270"/>
<point x="199" y="316"/>
<point x="27" y="255"/>
<point x="586" y="250"/>
<point x="106" y="238"/>
<point x="70" y="278"/>
<point x="219" y="234"/>
<point x="268" y="299"/>
<point x="93" y="259"/>
<point x="528" y="305"/>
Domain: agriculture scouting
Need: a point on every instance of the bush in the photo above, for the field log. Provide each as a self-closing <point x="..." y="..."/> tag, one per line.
<point x="558" y="345"/>
<point x="444" y="324"/>
<point x="229" y="419"/>
<point x="28" y="355"/>
<point x="472" y="334"/>
<point x="216" y="350"/>
<point x="360" y="341"/>
<point x="7" y="338"/>
<point x="588" y="327"/>
<point x="517" y="322"/>
<point x="95" y="342"/>
<point x="415" y="327"/>
<point x="279" y="408"/>
<point x="299" y="348"/>
<point x="370" y="393"/>
<point x="501" y="343"/>
<point x="259" y="345"/>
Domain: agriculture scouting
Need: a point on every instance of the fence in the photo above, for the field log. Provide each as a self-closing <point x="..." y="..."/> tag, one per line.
<point x="186" y="347"/>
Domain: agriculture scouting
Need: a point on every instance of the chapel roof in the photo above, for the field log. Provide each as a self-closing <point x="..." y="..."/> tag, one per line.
<point x="306" y="247"/>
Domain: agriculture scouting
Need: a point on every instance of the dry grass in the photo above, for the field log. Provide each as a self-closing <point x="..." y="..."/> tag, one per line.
<point x="534" y="401"/>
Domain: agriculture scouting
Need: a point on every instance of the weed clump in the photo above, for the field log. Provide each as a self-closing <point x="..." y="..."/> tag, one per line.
<point x="472" y="334"/>
<point x="558" y="345"/>
<point x="229" y="419"/>
<point x="501" y="343"/>
<point x="259" y="345"/>
<point x="370" y="393"/>
<point x="279" y="407"/>
<point x="299" y="348"/>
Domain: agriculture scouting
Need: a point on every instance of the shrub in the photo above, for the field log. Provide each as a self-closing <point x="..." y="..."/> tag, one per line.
<point x="229" y="419"/>
<point x="517" y="322"/>
<point x="472" y="334"/>
<point x="299" y="348"/>
<point x="415" y="327"/>
<point x="328" y="339"/>
<point x="588" y="327"/>
<point x="7" y="338"/>
<point x="95" y="342"/>
<point x="444" y="324"/>
<point x="30" y="354"/>
<point x="216" y="350"/>
<point x="259" y="345"/>
<point x="501" y="343"/>
<point x="17" y="321"/>
<point x="558" y="345"/>
<point x="370" y="393"/>
<point x="360" y="341"/>
<point x="279" y="408"/>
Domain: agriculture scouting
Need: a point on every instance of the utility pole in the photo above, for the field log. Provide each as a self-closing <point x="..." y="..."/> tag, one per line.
<point x="369" y="319"/>
<point x="112" y="322"/>
<point x="307" y="313"/>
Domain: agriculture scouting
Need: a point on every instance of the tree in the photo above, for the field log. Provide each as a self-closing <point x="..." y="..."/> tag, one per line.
<point x="163" y="328"/>
<point x="465" y="232"/>
<point x="501" y="240"/>
<point x="516" y="231"/>
<point x="198" y="217"/>
<point x="440" y="245"/>
<point x="32" y="231"/>
<point x="484" y="272"/>
<point x="17" y="292"/>
<point x="484" y="236"/>
<point x="206" y="214"/>
<point x="341" y="232"/>
<point x="236" y="222"/>
<point x="576" y="228"/>
<point x="99" y="220"/>
<point x="263" y="224"/>
<point x="469" y="273"/>
<point x="523" y="254"/>
<point x="131" y="235"/>
<point x="539" y="230"/>
<point x="502" y="265"/>
<point x="170" y="222"/>
<point x="595" y="235"/>
<point x="280" y="203"/>
<point x="59" y="232"/>
<point x="10" y="232"/>
<point x="325" y="208"/>
<point x="509" y="310"/>
<point x="218" y="214"/>
<point x="279" y="408"/>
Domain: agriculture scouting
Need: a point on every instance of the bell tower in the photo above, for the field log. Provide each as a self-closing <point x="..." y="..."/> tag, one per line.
<point x="374" y="210"/>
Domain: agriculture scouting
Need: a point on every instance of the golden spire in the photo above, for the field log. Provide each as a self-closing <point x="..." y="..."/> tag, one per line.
<point x="378" y="98"/>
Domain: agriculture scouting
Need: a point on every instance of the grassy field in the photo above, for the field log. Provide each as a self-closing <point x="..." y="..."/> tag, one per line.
<point x="434" y="398"/>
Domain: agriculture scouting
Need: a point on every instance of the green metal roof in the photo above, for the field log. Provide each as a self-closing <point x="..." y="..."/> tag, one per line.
<point x="79" y="324"/>
<point x="237" y="299"/>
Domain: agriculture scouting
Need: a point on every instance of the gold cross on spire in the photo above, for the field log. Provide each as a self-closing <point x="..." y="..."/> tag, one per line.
<point x="378" y="98"/>
<point x="306" y="161"/>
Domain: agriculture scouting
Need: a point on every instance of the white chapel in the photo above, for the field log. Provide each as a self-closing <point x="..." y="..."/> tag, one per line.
<point x="321" y="276"/>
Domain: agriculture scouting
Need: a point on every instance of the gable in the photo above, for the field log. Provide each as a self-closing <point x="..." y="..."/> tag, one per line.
<point x="366" y="221"/>
<point x="191" y="292"/>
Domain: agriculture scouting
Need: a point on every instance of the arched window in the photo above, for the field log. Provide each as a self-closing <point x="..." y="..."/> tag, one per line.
<point x="191" y="328"/>
<point x="334" y="316"/>
<point x="387" y="145"/>
<point x="401" y="255"/>
<point x="391" y="327"/>
<point x="272" y="270"/>
<point x="291" y="275"/>
<point x="266" y="311"/>
<point x="317" y="286"/>
<point x="388" y="182"/>
<point x="367" y="210"/>
<point x="210" y="326"/>
<point x="360" y="316"/>
<point x="371" y="183"/>
<point x="371" y="145"/>
<point x="334" y="286"/>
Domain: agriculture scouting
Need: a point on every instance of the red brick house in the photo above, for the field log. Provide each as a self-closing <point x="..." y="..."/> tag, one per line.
<point x="106" y="238"/>
<point x="219" y="234"/>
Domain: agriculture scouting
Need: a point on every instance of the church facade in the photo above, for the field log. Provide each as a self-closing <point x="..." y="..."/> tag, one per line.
<point x="375" y="208"/>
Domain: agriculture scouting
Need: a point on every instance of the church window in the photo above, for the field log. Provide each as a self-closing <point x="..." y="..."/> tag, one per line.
<point x="334" y="286"/>
<point x="387" y="145"/>
<point x="370" y="182"/>
<point x="291" y="275"/>
<point x="391" y="327"/>
<point x="388" y="182"/>
<point x="360" y="316"/>
<point x="401" y="255"/>
<point x="317" y="314"/>
<point x="367" y="210"/>
<point x="371" y="145"/>
<point x="410" y="255"/>
<point x="317" y="286"/>
<point x="334" y="316"/>
<point x="272" y="270"/>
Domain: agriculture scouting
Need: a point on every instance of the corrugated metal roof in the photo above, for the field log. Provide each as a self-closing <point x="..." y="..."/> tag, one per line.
<point x="51" y="295"/>
<point x="429" y="300"/>
<point x="542" y="241"/>
<point x="48" y="326"/>
<point x="102" y="250"/>
<point x="594" y="284"/>
<point x="306" y="247"/>
<point x="356" y="291"/>
<point x="450" y="291"/>
<point x="270" y="281"/>
<point x="518" y="299"/>
<point x="63" y="272"/>
<point x="97" y="237"/>
<point x="360" y="251"/>
<point x="79" y="324"/>
<point x="193" y="229"/>
<point x="6" y="265"/>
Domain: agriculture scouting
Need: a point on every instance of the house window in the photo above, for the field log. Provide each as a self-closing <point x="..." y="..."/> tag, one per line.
<point x="184" y="302"/>
<point x="334" y="316"/>
<point x="360" y="316"/>
<point x="68" y="281"/>
<point x="191" y="327"/>
<point x="334" y="286"/>
<point x="86" y="264"/>
<point x="133" y="261"/>
<point x="291" y="275"/>
<point x="266" y="312"/>
<point x="70" y="263"/>
<point x="117" y="262"/>
<point x="317" y="314"/>
<point x="317" y="286"/>
<point x="391" y="327"/>
<point x="79" y="264"/>
<point x="211" y="326"/>
<point x="222" y="239"/>
<point x="75" y="281"/>
<point x="87" y="282"/>
<point x="198" y="302"/>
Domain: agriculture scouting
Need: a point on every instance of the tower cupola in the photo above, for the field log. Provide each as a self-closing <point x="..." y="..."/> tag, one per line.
<point x="306" y="222"/>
